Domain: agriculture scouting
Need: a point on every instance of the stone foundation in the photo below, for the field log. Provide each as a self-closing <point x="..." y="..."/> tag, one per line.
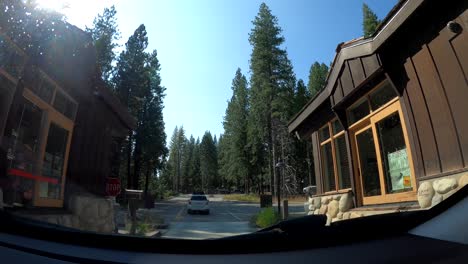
<point x="434" y="191"/>
<point x="87" y="213"/>
<point x="335" y="206"/>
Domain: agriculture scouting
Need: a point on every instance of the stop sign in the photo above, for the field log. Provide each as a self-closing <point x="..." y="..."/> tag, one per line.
<point x="112" y="186"/>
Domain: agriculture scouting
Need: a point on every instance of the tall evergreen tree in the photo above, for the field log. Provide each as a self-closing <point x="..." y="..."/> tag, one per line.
<point x="177" y="149"/>
<point x="302" y="95"/>
<point x="132" y="86"/>
<point x="152" y="134"/>
<point x="187" y="161"/>
<point x="272" y="87"/>
<point x="195" y="167"/>
<point x="317" y="77"/>
<point x="370" y="22"/>
<point x="208" y="162"/>
<point x="234" y="155"/>
<point x="105" y="35"/>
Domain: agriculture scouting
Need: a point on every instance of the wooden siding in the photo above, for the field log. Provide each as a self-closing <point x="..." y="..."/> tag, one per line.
<point x="90" y="155"/>
<point x="353" y="74"/>
<point x="434" y="88"/>
<point x="317" y="163"/>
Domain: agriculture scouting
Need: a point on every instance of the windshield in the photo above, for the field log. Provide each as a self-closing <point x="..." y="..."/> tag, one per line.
<point x="116" y="115"/>
<point x="198" y="198"/>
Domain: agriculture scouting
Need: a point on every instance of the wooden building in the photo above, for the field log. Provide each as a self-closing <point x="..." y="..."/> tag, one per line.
<point x="59" y="122"/>
<point x="392" y="115"/>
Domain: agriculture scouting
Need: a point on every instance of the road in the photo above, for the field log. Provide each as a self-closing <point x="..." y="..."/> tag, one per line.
<point x="226" y="218"/>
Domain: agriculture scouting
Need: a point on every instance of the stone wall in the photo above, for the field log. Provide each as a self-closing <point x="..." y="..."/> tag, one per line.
<point x="86" y="212"/>
<point x="93" y="213"/>
<point x="432" y="192"/>
<point x="335" y="206"/>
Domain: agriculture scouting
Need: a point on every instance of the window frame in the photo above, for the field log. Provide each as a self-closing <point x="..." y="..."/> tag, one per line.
<point x="331" y="140"/>
<point x="370" y="121"/>
<point x="20" y="51"/>
<point x="51" y="116"/>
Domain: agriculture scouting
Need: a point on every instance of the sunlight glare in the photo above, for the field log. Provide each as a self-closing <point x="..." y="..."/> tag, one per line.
<point x="77" y="12"/>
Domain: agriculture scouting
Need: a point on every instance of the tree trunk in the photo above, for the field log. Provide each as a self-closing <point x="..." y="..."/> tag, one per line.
<point x="129" y="160"/>
<point x="272" y="159"/>
<point x="136" y="165"/>
<point x="147" y="178"/>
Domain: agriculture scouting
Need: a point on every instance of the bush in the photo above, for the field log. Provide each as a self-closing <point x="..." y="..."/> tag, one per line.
<point x="242" y="197"/>
<point x="267" y="217"/>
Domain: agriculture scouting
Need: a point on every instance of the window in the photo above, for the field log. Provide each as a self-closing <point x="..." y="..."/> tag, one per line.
<point x="11" y="58"/>
<point x="371" y="102"/>
<point x="334" y="155"/>
<point x="379" y="140"/>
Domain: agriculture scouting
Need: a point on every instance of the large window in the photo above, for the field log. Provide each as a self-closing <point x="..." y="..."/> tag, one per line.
<point x="334" y="156"/>
<point x="38" y="142"/>
<point x="380" y="145"/>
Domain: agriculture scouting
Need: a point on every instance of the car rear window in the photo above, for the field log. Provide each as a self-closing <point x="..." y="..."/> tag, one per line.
<point x="198" y="197"/>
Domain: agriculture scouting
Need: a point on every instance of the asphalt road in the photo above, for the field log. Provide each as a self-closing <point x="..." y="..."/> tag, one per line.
<point x="226" y="218"/>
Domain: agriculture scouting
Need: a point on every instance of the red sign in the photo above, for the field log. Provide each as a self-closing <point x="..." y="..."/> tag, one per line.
<point x="112" y="186"/>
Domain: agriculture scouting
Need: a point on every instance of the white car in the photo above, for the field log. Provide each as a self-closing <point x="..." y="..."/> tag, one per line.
<point x="198" y="203"/>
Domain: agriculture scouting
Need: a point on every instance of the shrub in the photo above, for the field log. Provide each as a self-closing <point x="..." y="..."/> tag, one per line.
<point x="267" y="217"/>
<point x="242" y="197"/>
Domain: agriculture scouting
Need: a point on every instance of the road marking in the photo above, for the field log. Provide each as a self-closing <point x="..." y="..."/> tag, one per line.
<point x="234" y="216"/>
<point x="179" y="214"/>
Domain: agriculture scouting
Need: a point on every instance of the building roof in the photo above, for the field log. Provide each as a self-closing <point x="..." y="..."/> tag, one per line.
<point x="356" y="48"/>
<point x="65" y="53"/>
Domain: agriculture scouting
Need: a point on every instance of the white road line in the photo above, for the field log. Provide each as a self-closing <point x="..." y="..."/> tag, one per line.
<point x="234" y="216"/>
<point x="179" y="214"/>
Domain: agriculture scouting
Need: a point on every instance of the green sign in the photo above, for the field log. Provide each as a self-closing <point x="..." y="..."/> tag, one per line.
<point x="399" y="169"/>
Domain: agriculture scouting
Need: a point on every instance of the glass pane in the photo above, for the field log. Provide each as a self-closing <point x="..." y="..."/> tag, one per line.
<point x="394" y="154"/>
<point x="324" y="133"/>
<point x="21" y="143"/>
<point x="337" y="127"/>
<point x="53" y="162"/>
<point x="46" y="91"/>
<point x="11" y="60"/>
<point x="25" y="140"/>
<point x="368" y="163"/>
<point x="382" y="95"/>
<point x="342" y="163"/>
<point x="327" y="165"/>
<point x="358" y="111"/>
<point x="64" y="105"/>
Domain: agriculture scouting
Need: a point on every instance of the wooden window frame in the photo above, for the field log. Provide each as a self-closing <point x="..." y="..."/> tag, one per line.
<point x="391" y="107"/>
<point x="19" y="50"/>
<point x="51" y="115"/>
<point x="331" y="140"/>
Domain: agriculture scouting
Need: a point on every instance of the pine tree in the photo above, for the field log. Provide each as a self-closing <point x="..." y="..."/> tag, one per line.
<point x="152" y="134"/>
<point x="187" y="161"/>
<point x="234" y="162"/>
<point x="208" y="162"/>
<point x="195" y="167"/>
<point x="302" y="96"/>
<point x="105" y="35"/>
<point x="177" y="149"/>
<point x="317" y="77"/>
<point x="370" y="22"/>
<point x="132" y="86"/>
<point x="272" y="90"/>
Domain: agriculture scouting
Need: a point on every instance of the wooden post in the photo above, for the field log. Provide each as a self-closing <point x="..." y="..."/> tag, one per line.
<point x="285" y="210"/>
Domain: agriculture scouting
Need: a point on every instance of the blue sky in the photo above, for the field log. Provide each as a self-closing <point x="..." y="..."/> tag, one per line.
<point x="201" y="43"/>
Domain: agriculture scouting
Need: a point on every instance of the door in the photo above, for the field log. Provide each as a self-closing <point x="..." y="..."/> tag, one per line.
<point x="383" y="159"/>
<point x="53" y="161"/>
